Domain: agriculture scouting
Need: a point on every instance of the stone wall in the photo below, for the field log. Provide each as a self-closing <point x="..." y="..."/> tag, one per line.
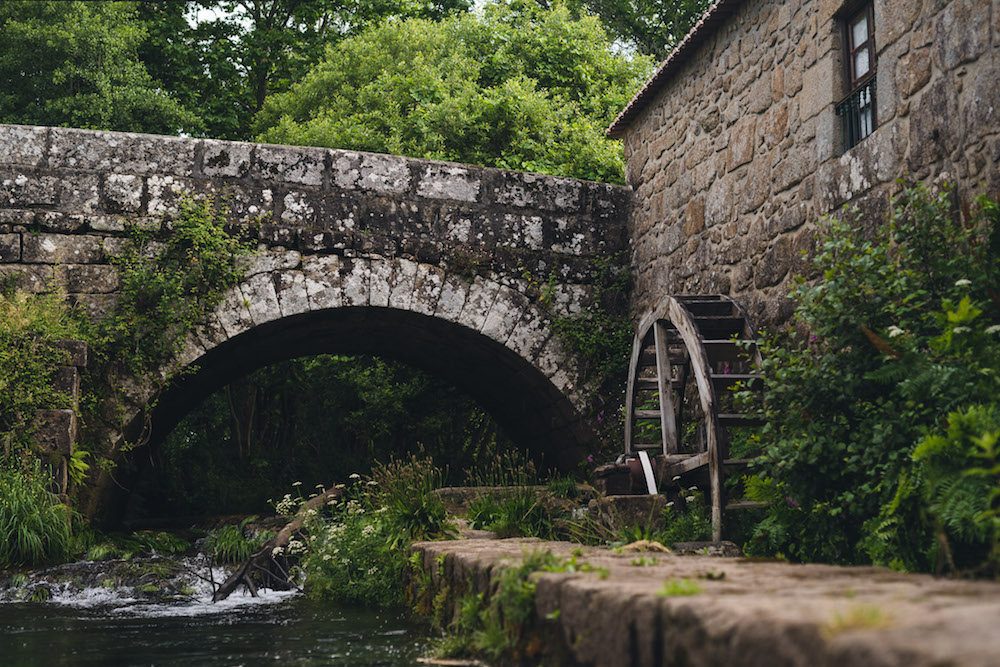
<point x="65" y="195"/>
<point x="739" y="153"/>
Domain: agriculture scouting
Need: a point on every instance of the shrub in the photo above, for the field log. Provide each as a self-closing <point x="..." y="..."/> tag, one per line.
<point x="898" y="331"/>
<point x="34" y="526"/>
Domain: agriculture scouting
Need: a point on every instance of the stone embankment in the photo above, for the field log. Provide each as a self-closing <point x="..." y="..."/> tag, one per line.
<point x="747" y="612"/>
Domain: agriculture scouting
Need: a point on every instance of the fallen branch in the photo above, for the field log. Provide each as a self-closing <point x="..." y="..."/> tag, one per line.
<point x="264" y="562"/>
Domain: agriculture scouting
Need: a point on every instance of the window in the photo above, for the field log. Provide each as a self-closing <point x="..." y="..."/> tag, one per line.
<point x="857" y="110"/>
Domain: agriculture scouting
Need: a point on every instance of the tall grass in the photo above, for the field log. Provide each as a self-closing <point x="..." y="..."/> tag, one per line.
<point x="34" y="527"/>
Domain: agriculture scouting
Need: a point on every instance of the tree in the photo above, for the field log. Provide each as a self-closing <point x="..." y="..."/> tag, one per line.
<point x="654" y="27"/>
<point x="516" y="87"/>
<point x="225" y="58"/>
<point x="75" y="64"/>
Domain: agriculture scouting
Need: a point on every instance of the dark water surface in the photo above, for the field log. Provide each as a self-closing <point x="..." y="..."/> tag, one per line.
<point x="292" y="631"/>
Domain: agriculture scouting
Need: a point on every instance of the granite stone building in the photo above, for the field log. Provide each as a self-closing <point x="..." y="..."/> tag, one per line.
<point x="772" y="113"/>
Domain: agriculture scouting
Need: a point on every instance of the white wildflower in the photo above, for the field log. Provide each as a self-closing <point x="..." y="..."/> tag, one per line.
<point x="327" y="556"/>
<point x="670" y="504"/>
<point x="354" y="475"/>
<point x="993" y="329"/>
<point x="690" y="499"/>
<point x="964" y="282"/>
<point x="675" y="478"/>
<point x="372" y="483"/>
<point x="960" y="330"/>
<point x="296" y="483"/>
<point x="368" y="531"/>
<point x="895" y="331"/>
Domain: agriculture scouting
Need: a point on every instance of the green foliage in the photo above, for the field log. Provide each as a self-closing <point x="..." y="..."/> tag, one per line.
<point x="34" y="526"/>
<point x="169" y="283"/>
<point x="29" y="325"/>
<point x="357" y="555"/>
<point x="654" y="27"/>
<point x="902" y="330"/>
<point x="404" y="488"/>
<point x="516" y="87"/>
<point x="94" y="546"/>
<point x="235" y="543"/>
<point x="225" y="63"/>
<point x="75" y="64"/>
<point x="518" y="512"/>
<point x="692" y="524"/>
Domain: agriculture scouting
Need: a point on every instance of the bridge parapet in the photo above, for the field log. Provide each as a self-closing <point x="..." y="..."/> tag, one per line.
<point x="68" y="181"/>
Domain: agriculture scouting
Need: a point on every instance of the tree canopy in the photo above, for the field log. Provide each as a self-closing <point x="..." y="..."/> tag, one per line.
<point x="513" y="86"/>
<point x="654" y="27"/>
<point x="225" y="58"/>
<point x="76" y="64"/>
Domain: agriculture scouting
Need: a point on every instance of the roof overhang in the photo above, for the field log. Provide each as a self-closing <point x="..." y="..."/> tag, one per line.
<point x="701" y="32"/>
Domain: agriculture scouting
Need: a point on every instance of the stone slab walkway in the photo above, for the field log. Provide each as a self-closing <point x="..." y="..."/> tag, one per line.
<point x="747" y="613"/>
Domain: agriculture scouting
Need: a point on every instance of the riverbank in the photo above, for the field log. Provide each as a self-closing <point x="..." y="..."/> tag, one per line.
<point x="653" y="608"/>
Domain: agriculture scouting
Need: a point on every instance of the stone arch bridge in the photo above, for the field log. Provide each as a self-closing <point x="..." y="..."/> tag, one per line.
<point x="433" y="263"/>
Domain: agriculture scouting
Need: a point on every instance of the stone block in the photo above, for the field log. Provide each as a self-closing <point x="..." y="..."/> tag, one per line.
<point x="226" y="158"/>
<point x="530" y="334"/>
<point x="165" y="192"/>
<point x="694" y="217"/>
<point x="269" y="260"/>
<point x="55" y="431"/>
<point x="33" y="279"/>
<point x="507" y="309"/>
<point x="87" y="278"/>
<point x="547" y="193"/>
<point x="933" y="132"/>
<point x="121" y="152"/>
<point x="402" y="283"/>
<point x="482" y="294"/>
<point x="774" y="265"/>
<point x="913" y="71"/>
<point x="122" y="193"/>
<point x="448" y="181"/>
<point x="893" y="19"/>
<point x="524" y="231"/>
<point x="22" y="145"/>
<point x="453" y="293"/>
<point x="379" y="282"/>
<point x="10" y="247"/>
<point x="233" y="313"/>
<point x="290" y="287"/>
<point x="61" y="249"/>
<point x="427" y="289"/>
<point x="261" y="298"/>
<point x="982" y="102"/>
<point x="818" y="87"/>
<point x="290" y="164"/>
<point x="369" y="171"/>
<point x="962" y="32"/>
<point x="355" y="275"/>
<point x="323" y="281"/>
<point x="741" y="143"/>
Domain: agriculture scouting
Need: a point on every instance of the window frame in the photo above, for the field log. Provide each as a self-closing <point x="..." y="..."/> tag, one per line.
<point x="855" y="82"/>
<point x="858" y="108"/>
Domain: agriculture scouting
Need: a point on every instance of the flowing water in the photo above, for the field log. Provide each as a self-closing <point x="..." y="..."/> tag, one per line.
<point x="102" y="625"/>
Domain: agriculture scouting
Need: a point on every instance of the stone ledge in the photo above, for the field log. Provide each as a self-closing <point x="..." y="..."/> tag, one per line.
<point x="748" y="613"/>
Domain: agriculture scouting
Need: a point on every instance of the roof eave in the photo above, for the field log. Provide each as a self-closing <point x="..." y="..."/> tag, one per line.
<point x="702" y="30"/>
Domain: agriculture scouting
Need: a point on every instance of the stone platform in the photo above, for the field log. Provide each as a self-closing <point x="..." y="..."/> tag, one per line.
<point x="749" y="612"/>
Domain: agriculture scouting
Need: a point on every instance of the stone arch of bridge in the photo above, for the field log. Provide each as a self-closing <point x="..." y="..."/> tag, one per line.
<point x="488" y="338"/>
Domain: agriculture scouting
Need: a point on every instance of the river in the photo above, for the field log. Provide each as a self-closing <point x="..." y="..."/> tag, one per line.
<point x="117" y="626"/>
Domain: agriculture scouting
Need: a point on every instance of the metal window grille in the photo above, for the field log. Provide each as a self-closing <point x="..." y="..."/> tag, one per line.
<point x="857" y="114"/>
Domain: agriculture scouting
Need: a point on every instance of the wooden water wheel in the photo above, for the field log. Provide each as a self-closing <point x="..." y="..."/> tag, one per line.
<point x="701" y="344"/>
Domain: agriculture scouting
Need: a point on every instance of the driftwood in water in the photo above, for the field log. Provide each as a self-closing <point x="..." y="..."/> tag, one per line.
<point x="264" y="563"/>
